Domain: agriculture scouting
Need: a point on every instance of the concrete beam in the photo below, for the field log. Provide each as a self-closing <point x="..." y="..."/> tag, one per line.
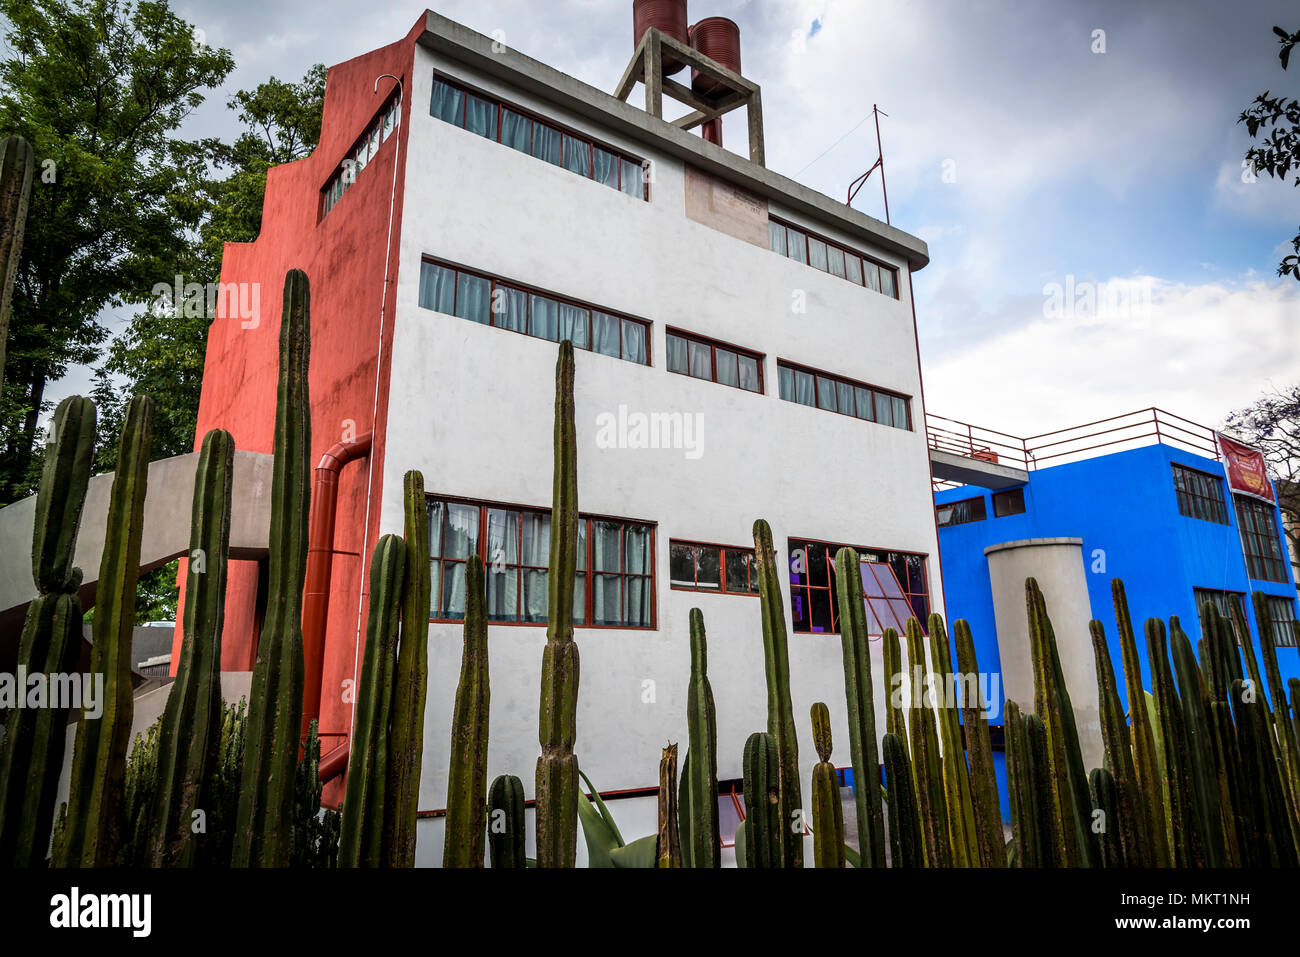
<point x="951" y="467"/>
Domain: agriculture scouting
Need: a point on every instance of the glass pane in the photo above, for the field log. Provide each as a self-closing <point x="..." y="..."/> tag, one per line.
<point x="608" y="599"/>
<point x="436" y="510"/>
<point x="701" y="360"/>
<point x="503" y="538"/>
<point x="374" y="142"/>
<point x="460" y="539"/>
<point x="543" y="318"/>
<point x="548" y="144"/>
<point x="606" y="546"/>
<point x="870" y="584"/>
<point x="536" y="599"/>
<point x="677" y="352"/>
<point x="636" y="550"/>
<point x="453" y="590"/>
<point x="889" y="282"/>
<point x="845" y="398"/>
<point x="871" y="272"/>
<point x="634" y="342"/>
<point x="577" y="155"/>
<point x="516" y="131"/>
<point x="804" y="388"/>
<point x="903" y="611"/>
<point x="835" y="258"/>
<point x="360" y="158"/>
<point x="502" y="592"/>
<point x="785" y="382"/>
<point x="481" y="116"/>
<point x="884" y="409"/>
<point x="435" y="588"/>
<point x="633" y="179"/>
<point x="574" y="323"/>
<point x="825" y="393"/>
<point x="510" y="308"/>
<point x="863" y="408"/>
<point x="796" y="245"/>
<point x="388" y="119"/>
<point x="853" y="268"/>
<point x="873" y="622"/>
<point x="749" y="374"/>
<point x="637" y="612"/>
<point x="740" y="576"/>
<point x="582" y="544"/>
<point x="776" y="237"/>
<point x="447" y="102"/>
<point x="605" y="334"/>
<point x="536" y="539"/>
<point x="728" y="372"/>
<point x="473" y="298"/>
<point x="606" y="170"/>
<point x="709" y="567"/>
<point x="900" y="413"/>
<point x="580" y="599"/>
<point x="888" y="581"/>
<point x="681" y="565"/>
<point x="437" y="287"/>
<point x="816" y="253"/>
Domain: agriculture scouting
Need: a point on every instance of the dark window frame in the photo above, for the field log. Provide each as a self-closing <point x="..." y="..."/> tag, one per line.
<point x="856" y="384"/>
<point x="829" y="588"/>
<point x="722" y="566"/>
<point x="1006" y="494"/>
<point x="847" y="251"/>
<point x="714" y="345"/>
<point x="1257" y="523"/>
<point x="1187" y="496"/>
<point x="1200" y="595"/>
<point x="1282" y="637"/>
<point x="530" y="291"/>
<point x="393" y="102"/>
<point x="983" y="511"/>
<point x="588" y="570"/>
<point x="591" y="142"/>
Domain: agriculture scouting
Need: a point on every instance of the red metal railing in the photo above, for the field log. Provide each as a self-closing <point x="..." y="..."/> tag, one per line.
<point x="1117" y="433"/>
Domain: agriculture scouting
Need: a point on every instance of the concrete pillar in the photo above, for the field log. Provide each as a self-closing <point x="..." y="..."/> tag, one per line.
<point x="1057" y="565"/>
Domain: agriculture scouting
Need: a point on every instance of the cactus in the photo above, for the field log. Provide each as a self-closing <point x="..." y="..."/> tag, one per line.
<point x="361" y="838"/>
<point x="764" y="824"/>
<point x="406" y="736"/>
<point x="1205" y="797"/>
<point x="1020" y="787"/>
<point x="1105" y="799"/>
<point x="507" y="828"/>
<point x="892" y="658"/>
<point x="827" y="813"/>
<point x="31" y="753"/>
<point x="1135" y="845"/>
<point x="17" y="167"/>
<point x="668" y="848"/>
<point x="1047" y="821"/>
<point x="701" y="841"/>
<point x="264" y="830"/>
<point x="860" y="698"/>
<point x="557" y="767"/>
<point x="1288" y="741"/>
<point x="956" y="775"/>
<point x="904" y="816"/>
<point x="467" y="775"/>
<point x="1185" y="840"/>
<point x="191" y="724"/>
<point x="315" y="834"/>
<point x="926" y="768"/>
<point x="780" y="711"/>
<point x="986" y="807"/>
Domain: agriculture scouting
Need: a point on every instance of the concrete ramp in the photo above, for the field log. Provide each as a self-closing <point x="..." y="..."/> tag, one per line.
<point x="967" y="470"/>
<point x="168" y="502"/>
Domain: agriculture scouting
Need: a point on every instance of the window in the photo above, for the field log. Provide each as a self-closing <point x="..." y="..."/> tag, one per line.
<point x="494" y="120"/>
<point x="837" y="394"/>
<point x="823" y="254"/>
<point x="1261" y="540"/>
<point x="515" y="545"/>
<point x="1223" y="601"/>
<point x="894" y="587"/>
<point x="959" y="513"/>
<point x="360" y="155"/>
<point x="718" y="362"/>
<point x="1200" y="495"/>
<point x="490" y="301"/>
<point x="1008" y="502"/>
<point x="1281" y="619"/>
<point x="716" y="568"/>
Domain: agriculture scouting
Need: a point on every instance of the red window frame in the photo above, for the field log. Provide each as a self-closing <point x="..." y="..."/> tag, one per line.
<point x="1265" y="559"/>
<point x="831" y="548"/>
<point x="832" y="244"/>
<point x="714" y="345"/>
<point x="983" y="511"/>
<point x="751" y="582"/>
<point x="839" y="380"/>
<point x="377" y="121"/>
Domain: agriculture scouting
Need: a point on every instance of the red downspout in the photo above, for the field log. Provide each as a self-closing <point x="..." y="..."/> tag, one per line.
<point x="316" y="594"/>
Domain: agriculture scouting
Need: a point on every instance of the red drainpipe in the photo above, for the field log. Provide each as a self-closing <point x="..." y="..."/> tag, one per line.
<point x="316" y="594"/>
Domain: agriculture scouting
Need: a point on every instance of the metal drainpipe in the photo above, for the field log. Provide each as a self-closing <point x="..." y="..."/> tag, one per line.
<point x="320" y="564"/>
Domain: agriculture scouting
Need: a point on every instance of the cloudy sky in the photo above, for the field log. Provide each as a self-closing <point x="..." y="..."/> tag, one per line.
<point x="1025" y="156"/>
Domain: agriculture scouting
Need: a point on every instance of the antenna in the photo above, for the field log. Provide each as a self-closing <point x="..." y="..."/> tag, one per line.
<point x="856" y="186"/>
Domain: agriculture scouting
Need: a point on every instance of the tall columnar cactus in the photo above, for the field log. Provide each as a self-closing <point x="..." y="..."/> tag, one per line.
<point x="1046" y="819"/>
<point x="1187" y="847"/>
<point x="1206" y="786"/>
<point x="264" y="832"/>
<point x="892" y="658"/>
<point x="1020" y="789"/>
<point x="1136" y="845"/>
<point x="507" y="827"/>
<point x="956" y="775"/>
<point x="467" y="774"/>
<point x="31" y="754"/>
<point x="1146" y="767"/>
<point x="1106" y="801"/>
<point x="17" y="167"/>
<point x="701" y="841"/>
<point x="926" y="768"/>
<point x="406" y="736"/>
<point x="668" y="848"/>
<point x="764" y="826"/>
<point x="780" y="710"/>
<point x="827" y="812"/>
<point x="557" y="766"/>
<point x="904" y="816"/>
<point x="983" y="776"/>
<point x="361" y="839"/>
<point x="860" y="698"/>
<point x="1288" y="739"/>
<point x="190" y="735"/>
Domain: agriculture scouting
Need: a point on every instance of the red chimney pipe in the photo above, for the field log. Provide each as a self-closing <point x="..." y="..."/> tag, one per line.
<point x="320" y="563"/>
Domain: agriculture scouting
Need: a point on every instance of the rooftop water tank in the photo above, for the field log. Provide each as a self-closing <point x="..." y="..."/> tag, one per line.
<point x="668" y="16"/>
<point x="718" y="39"/>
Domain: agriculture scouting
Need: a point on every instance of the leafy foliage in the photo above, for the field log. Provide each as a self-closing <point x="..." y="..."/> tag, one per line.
<point x="1278" y="118"/>
<point x="1272" y="424"/>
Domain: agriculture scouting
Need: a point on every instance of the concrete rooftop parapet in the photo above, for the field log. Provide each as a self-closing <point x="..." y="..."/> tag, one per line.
<point x="451" y="39"/>
<point x="964" y="470"/>
<point x="1031" y="543"/>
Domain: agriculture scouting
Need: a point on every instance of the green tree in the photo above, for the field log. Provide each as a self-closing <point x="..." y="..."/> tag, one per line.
<point x="1272" y="425"/>
<point x="1279" y="151"/>
<point x="99" y="87"/>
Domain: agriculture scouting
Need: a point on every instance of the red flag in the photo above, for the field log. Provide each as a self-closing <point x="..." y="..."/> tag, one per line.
<point x="1244" y="465"/>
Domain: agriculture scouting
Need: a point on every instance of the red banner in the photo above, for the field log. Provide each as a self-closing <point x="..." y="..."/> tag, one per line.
<point x="1245" y="468"/>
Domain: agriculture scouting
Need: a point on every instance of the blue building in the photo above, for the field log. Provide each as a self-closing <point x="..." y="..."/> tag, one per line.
<point x="1146" y="500"/>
